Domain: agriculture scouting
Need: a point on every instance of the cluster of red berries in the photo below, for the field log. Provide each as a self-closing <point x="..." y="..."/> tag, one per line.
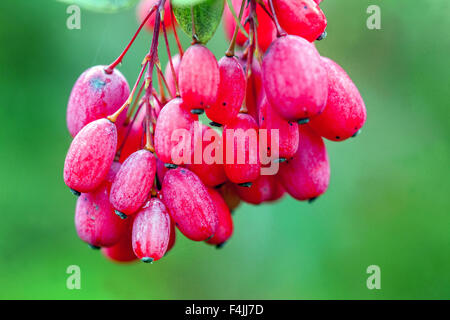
<point x="132" y="193"/>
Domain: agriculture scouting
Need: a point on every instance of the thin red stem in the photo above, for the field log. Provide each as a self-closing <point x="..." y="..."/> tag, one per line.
<point x="280" y="31"/>
<point x="174" y="74"/>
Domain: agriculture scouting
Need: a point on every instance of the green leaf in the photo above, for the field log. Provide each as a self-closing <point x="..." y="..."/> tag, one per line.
<point x="207" y="16"/>
<point x="107" y="6"/>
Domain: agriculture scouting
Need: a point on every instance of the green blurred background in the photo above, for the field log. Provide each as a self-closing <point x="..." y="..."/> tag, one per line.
<point x="387" y="204"/>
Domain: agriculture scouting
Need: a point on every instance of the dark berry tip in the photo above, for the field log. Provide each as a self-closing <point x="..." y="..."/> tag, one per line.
<point x="170" y="165"/>
<point x="197" y="111"/>
<point x="93" y="247"/>
<point x="75" y="192"/>
<point x="245" y="184"/>
<point x="356" y="133"/>
<point x="215" y="124"/>
<point x="311" y="200"/>
<point x="220" y="245"/>
<point x="322" y="36"/>
<point x="303" y="121"/>
<point x="147" y="260"/>
<point x="210" y="237"/>
<point x="121" y="215"/>
<point x="279" y="160"/>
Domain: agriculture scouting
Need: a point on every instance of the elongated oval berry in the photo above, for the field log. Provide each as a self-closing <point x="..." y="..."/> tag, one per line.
<point x="122" y="251"/>
<point x="270" y="120"/>
<point x="294" y="79"/>
<point x="240" y="141"/>
<point x="90" y="156"/>
<point x="231" y="91"/>
<point x="302" y="18"/>
<point x="266" y="28"/>
<point x="168" y="74"/>
<point x="229" y="194"/>
<point x="203" y="161"/>
<point x="190" y="206"/>
<point x="345" y="112"/>
<point x="263" y="189"/>
<point x="198" y="77"/>
<point x="95" y="220"/>
<point x="95" y="95"/>
<point x="144" y="8"/>
<point x="307" y="174"/>
<point x="133" y="182"/>
<point x="225" y="221"/>
<point x="171" y="118"/>
<point x="151" y="231"/>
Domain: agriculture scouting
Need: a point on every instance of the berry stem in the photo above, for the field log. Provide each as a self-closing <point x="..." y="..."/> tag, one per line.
<point x="236" y="19"/>
<point x="174" y="75"/>
<point x="230" y="51"/>
<point x="135" y="103"/>
<point x="111" y="67"/>
<point x="194" y="34"/>
<point x="148" y="127"/>
<point x="175" y="33"/>
<point x="280" y="31"/>
<point x="161" y="77"/>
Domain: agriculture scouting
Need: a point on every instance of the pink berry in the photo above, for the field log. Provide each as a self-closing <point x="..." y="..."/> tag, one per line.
<point x="168" y="74"/>
<point x="254" y="92"/>
<point x="90" y="156"/>
<point x="258" y="192"/>
<point x="199" y="77"/>
<point x="210" y="173"/>
<point x="143" y="9"/>
<point x="295" y="81"/>
<point x="302" y="18"/>
<point x="95" y="95"/>
<point x="345" y="112"/>
<point x="161" y="170"/>
<point x="95" y="220"/>
<point x="173" y="236"/>
<point x="270" y="120"/>
<point x="190" y="206"/>
<point x="122" y="251"/>
<point x="231" y="91"/>
<point x="241" y="158"/>
<point x="135" y="139"/>
<point x="133" y="182"/>
<point x="151" y="231"/>
<point x="172" y="117"/>
<point x="307" y="174"/>
<point x="225" y="222"/>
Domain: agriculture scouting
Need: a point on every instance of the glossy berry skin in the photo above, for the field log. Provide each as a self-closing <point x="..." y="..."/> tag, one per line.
<point x="95" y="95"/>
<point x="266" y="28"/>
<point x="294" y="78"/>
<point x="225" y="226"/>
<point x="345" y="112"/>
<point x="95" y="220"/>
<point x="172" y="117"/>
<point x="145" y="6"/>
<point x="210" y="173"/>
<point x="302" y="18"/>
<point x="198" y="77"/>
<point x="90" y="156"/>
<point x="133" y="182"/>
<point x="190" y="206"/>
<point x="270" y="120"/>
<point x="234" y="134"/>
<point x="263" y="189"/>
<point x="168" y="74"/>
<point x="307" y="174"/>
<point x="122" y="251"/>
<point x="151" y="231"/>
<point x="230" y="196"/>
<point x="254" y="92"/>
<point x="231" y="91"/>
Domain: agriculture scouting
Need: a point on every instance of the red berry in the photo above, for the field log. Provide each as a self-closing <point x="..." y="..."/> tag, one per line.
<point x="265" y="188"/>
<point x="231" y="91"/>
<point x="168" y="74"/>
<point x="190" y="206"/>
<point x="95" y="220"/>
<point x="199" y="77"/>
<point x="229" y="194"/>
<point x="136" y="137"/>
<point x="171" y="118"/>
<point x="209" y="171"/>
<point x="307" y="174"/>
<point x="302" y="18"/>
<point x="151" y="231"/>
<point x="90" y="156"/>
<point x="161" y="170"/>
<point x="277" y="189"/>
<point x="122" y="251"/>
<point x="241" y="158"/>
<point x="225" y="226"/>
<point x="345" y="112"/>
<point x="143" y="9"/>
<point x="287" y="142"/>
<point x="295" y="81"/>
<point x="254" y="92"/>
<point x="133" y="182"/>
<point x="173" y="236"/>
<point x="266" y="28"/>
<point x="95" y="95"/>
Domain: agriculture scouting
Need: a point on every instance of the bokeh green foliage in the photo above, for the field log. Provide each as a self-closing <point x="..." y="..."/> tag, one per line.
<point x="387" y="203"/>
